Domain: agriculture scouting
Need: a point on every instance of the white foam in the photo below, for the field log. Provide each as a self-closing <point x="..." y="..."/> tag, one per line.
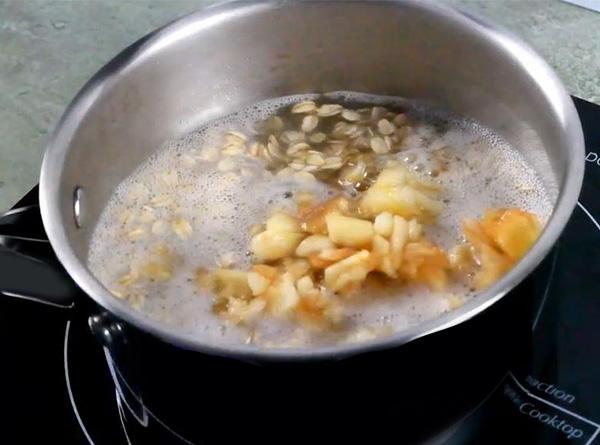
<point x="222" y="207"/>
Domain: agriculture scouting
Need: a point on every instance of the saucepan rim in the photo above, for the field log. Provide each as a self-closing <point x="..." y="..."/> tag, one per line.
<point x="59" y="145"/>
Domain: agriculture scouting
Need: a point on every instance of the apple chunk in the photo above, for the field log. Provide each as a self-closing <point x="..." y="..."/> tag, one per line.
<point x="400" y="192"/>
<point x="349" y="232"/>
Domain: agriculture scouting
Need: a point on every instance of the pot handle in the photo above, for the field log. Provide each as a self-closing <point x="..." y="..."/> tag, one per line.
<point x="28" y="267"/>
<point x="121" y="361"/>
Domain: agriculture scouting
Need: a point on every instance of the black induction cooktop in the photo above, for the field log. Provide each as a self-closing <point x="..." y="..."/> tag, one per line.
<point x="58" y="384"/>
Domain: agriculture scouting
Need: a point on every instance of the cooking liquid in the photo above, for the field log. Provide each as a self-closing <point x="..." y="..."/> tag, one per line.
<point x="483" y="171"/>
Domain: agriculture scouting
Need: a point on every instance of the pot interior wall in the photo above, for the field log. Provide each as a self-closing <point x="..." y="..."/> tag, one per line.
<point x="215" y="62"/>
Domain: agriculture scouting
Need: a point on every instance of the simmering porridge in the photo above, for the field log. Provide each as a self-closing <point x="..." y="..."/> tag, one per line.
<point x="314" y="220"/>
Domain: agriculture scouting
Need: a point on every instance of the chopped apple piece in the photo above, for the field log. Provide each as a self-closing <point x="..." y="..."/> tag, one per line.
<point x="298" y="268"/>
<point x="286" y="297"/>
<point x="257" y="283"/>
<point x="400" y="192"/>
<point x="225" y="283"/>
<point x="244" y="312"/>
<point x="305" y="285"/>
<point x="159" y="267"/>
<point x="280" y="222"/>
<point x="305" y="200"/>
<point x="268" y="272"/>
<point x="384" y="224"/>
<point x="381" y="246"/>
<point x="513" y="230"/>
<point x="334" y="255"/>
<point x="271" y="246"/>
<point x="493" y="263"/>
<point x="493" y="266"/>
<point x="475" y="234"/>
<point x="318" y="263"/>
<point x="461" y="259"/>
<point x="157" y="270"/>
<point x="232" y="282"/>
<point x="329" y="256"/>
<point x="381" y="251"/>
<point x="349" y="232"/>
<point x="279" y="240"/>
<point x="435" y="277"/>
<point x="317" y="310"/>
<point x="311" y="305"/>
<point x="314" y="244"/>
<point x="350" y="271"/>
<point x="312" y="219"/>
<point x="398" y="241"/>
<point x="415" y="230"/>
<point x="426" y="263"/>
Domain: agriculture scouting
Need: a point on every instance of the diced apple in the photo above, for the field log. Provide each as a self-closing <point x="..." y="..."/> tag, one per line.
<point x="159" y="267"/>
<point x="425" y="263"/>
<point x="381" y="246"/>
<point x="500" y="239"/>
<point x="271" y="246"/>
<point x="475" y="234"/>
<point x="257" y="283"/>
<point x="392" y="177"/>
<point x="387" y="267"/>
<point x="280" y="222"/>
<point x="305" y="200"/>
<point x="398" y="240"/>
<point x="312" y="304"/>
<point x="157" y="271"/>
<point x="401" y="200"/>
<point x="287" y="296"/>
<point x="436" y="278"/>
<point x="384" y="224"/>
<point x="244" y="312"/>
<point x="494" y="265"/>
<point x="381" y="251"/>
<point x="314" y="244"/>
<point x="349" y="232"/>
<point x="461" y="258"/>
<point x="312" y="219"/>
<point x="318" y="311"/>
<point x="334" y="255"/>
<point x="327" y="257"/>
<point x="350" y="271"/>
<point x="415" y="230"/>
<point x="231" y="283"/>
<point x="269" y="272"/>
<point x="318" y="263"/>
<point x="298" y="268"/>
<point x="305" y="285"/>
<point x="279" y="240"/>
<point x="401" y="192"/>
<point x="513" y="230"/>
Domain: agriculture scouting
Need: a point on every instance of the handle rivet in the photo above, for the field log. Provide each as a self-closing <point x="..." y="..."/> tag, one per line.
<point x="77" y="206"/>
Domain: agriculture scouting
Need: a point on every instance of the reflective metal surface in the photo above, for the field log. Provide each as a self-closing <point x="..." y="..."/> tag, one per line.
<point x="220" y="59"/>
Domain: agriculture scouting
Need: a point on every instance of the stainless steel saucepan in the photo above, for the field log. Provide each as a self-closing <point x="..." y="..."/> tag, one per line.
<point x="218" y="60"/>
